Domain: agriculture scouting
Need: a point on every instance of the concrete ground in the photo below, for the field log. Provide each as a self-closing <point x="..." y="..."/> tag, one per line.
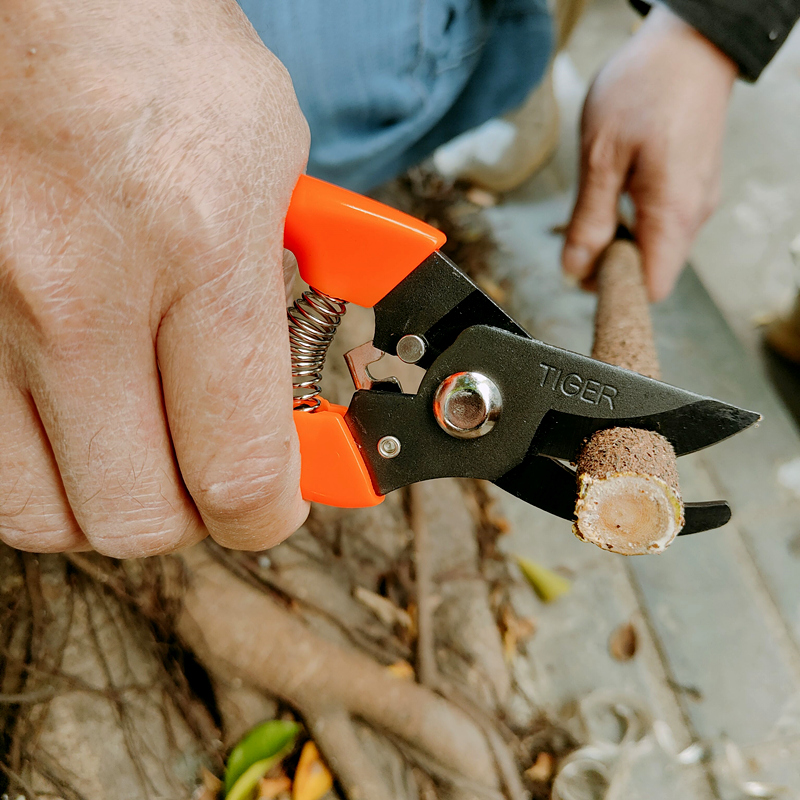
<point x="718" y="615"/>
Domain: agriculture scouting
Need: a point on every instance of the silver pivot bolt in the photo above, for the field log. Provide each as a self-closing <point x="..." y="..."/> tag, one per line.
<point x="411" y="348"/>
<point x="467" y="405"/>
<point x="389" y="447"/>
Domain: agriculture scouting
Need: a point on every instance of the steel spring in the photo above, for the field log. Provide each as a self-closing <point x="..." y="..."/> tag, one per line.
<point x="313" y="321"/>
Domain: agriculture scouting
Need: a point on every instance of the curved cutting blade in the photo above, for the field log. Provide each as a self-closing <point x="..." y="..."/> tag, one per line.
<point x="689" y="427"/>
<point x="550" y="485"/>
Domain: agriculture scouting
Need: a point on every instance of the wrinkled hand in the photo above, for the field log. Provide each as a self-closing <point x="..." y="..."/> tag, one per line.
<point x="148" y="152"/>
<point x="653" y="126"/>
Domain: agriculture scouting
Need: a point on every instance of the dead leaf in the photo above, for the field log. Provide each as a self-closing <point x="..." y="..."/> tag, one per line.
<point x="623" y="642"/>
<point x="383" y="608"/>
<point x="480" y="197"/>
<point x="312" y="780"/>
<point x="542" y="769"/>
<point x="403" y="670"/>
<point x="271" y="788"/>
<point x="515" y="630"/>
<point x="210" y="787"/>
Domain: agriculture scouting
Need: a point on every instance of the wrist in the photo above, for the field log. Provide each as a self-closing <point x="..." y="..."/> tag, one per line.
<point x="665" y="26"/>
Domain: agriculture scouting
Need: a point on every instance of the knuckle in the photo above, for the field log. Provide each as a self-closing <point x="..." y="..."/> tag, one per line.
<point x="600" y="156"/>
<point x="590" y="233"/>
<point x="140" y="538"/>
<point x="591" y="229"/>
<point x="38" y="533"/>
<point x="227" y="500"/>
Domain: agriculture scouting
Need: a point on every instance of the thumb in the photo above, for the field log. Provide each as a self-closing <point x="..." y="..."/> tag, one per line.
<point x="594" y="218"/>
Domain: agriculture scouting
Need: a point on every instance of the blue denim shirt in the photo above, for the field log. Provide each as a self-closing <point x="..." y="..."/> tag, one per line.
<point x="382" y="83"/>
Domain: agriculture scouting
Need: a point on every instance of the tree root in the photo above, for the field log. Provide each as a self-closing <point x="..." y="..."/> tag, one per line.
<point x="234" y="629"/>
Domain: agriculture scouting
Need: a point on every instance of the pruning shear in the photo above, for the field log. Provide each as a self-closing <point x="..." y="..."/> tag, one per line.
<point x="494" y="403"/>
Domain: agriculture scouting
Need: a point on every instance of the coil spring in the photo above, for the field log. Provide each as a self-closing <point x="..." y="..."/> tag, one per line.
<point x="313" y="321"/>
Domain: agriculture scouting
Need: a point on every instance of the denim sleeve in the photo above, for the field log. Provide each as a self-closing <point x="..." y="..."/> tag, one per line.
<point x="749" y="31"/>
<point x="384" y="82"/>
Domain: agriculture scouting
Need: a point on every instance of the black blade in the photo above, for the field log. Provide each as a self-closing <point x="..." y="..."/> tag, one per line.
<point x="568" y="396"/>
<point x="689" y="428"/>
<point x="552" y="400"/>
<point x="705" y="516"/>
<point x="551" y="486"/>
<point x="543" y="483"/>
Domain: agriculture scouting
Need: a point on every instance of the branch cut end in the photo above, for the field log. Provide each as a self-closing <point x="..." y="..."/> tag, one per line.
<point x="628" y="497"/>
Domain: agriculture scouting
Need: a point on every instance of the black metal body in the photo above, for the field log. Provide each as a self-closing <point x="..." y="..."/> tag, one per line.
<point x="553" y="400"/>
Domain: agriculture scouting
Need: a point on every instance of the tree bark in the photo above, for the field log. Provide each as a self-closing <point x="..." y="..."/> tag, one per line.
<point x="629" y="499"/>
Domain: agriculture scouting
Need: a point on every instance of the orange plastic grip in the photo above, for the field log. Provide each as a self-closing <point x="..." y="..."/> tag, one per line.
<point x="358" y="250"/>
<point x="351" y="247"/>
<point x="332" y="470"/>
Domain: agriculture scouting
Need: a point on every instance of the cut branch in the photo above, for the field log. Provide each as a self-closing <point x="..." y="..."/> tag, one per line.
<point x="628" y="496"/>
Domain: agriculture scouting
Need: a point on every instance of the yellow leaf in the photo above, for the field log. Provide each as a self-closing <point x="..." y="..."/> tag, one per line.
<point x="547" y="584"/>
<point x="403" y="670"/>
<point x="312" y="780"/>
<point x="515" y="630"/>
<point x="542" y="769"/>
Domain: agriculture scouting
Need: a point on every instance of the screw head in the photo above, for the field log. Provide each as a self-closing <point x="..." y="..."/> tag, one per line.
<point x="389" y="447"/>
<point x="411" y="348"/>
<point x="467" y="405"/>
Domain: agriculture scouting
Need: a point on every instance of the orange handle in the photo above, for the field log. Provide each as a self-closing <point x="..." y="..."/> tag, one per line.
<point x="351" y="247"/>
<point x="354" y="249"/>
<point x="332" y="470"/>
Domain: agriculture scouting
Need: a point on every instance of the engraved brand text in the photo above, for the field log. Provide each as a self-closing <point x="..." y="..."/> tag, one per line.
<point x="573" y="385"/>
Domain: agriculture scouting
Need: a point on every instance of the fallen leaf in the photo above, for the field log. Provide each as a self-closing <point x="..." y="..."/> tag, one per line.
<point x="547" y="584"/>
<point x="383" y="608"/>
<point x="542" y="769"/>
<point x="312" y="780"/>
<point x="515" y="630"/>
<point x="270" y="788"/>
<point x="269" y="741"/>
<point x="209" y="788"/>
<point x="480" y="197"/>
<point x="245" y="785"/>
<point x="622" y="643"/>
<point x="403" y="670"/>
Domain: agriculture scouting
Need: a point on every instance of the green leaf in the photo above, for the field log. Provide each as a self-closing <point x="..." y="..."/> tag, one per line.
<point x="547" y="584"/>
<point x="246" y="783"/>
<point x="273" y="738"/>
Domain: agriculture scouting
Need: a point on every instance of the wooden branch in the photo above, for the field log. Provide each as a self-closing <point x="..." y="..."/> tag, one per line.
<point x="427" y="668"/>
<point x="628" y="496"/>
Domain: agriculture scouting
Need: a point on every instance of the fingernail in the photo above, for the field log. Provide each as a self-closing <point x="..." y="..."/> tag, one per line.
<point x="576" y="260"/>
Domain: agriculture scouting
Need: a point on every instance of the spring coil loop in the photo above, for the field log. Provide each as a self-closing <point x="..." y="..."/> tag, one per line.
<point x="313" y="321"/>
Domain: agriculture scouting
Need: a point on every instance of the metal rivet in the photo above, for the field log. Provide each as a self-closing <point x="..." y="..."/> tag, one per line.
<point x="389" y="447"/>
<point x="467" y="405"/>
<point x="411" y="348"/>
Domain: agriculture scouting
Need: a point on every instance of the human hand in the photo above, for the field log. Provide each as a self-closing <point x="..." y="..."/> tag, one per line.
<point x="652" y="125"/>
<point x="148" y="152"/>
